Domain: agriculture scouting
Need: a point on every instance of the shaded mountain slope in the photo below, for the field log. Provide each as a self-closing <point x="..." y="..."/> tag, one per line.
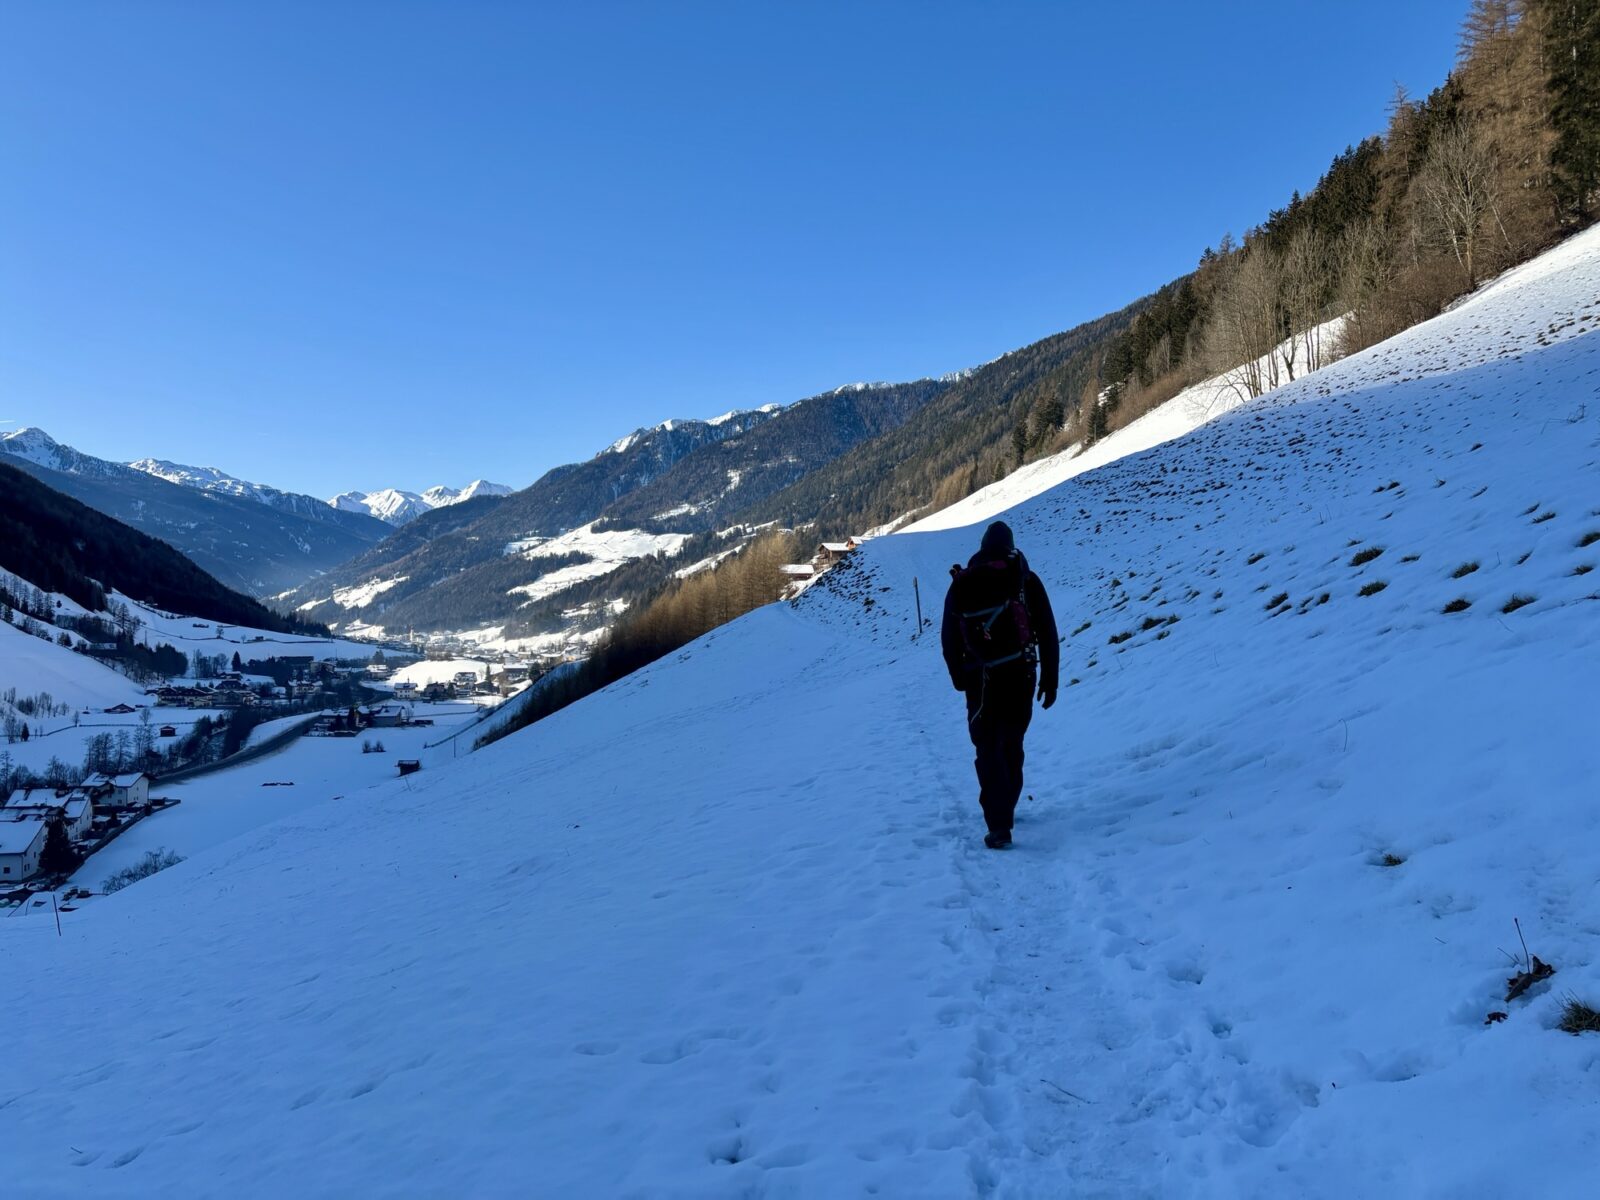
<point x="61" y="545"/>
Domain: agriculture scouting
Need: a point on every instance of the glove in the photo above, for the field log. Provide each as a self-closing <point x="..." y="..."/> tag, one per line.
<point x="1047" y="696"/>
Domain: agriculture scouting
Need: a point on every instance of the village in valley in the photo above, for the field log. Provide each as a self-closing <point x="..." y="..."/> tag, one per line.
<point x="92" y="794"/>
<point x="117" y="779"/>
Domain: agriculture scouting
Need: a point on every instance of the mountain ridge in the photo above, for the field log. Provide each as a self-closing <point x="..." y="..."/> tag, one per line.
<point x="259" y="544"/>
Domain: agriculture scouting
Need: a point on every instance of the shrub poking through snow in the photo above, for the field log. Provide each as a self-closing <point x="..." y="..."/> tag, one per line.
<point x="1578" y="1017"/>
<point x="1516" y="602"/>
<point x="1373" y="588"/>
<point x="1459" y="604"/>
<point x="1583" y="568"/>
<point x="1390" y="859"/>
<point x="1362" y="557"/>
<point x="1464" y="570"/>
<point x="150" y="864"/>
<point x="1589" y="538"/>
<point x="1280" y="598"/>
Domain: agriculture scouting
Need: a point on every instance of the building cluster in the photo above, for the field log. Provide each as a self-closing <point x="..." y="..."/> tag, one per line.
<point x="803" y="575"/>
<point x="230" y="691"/>
<point x="355" y="720"/>
<point x="28" y="813"/>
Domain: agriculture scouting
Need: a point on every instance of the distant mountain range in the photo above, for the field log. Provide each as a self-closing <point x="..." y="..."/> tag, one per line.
<point x="396" y="507"/>
<point x="557" y="558"/>
<point x="61" y="545"/>
<point x="252" y="538"/>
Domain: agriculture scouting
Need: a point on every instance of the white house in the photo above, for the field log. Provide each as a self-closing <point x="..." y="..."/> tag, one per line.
<point x="75" y="808"/>
<point x="21" y="843"/>
<point x="118" y="791"/>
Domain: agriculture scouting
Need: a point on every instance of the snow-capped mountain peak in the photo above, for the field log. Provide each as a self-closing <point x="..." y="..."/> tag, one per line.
<point x="206" y="479"/>
<point x="397" y="507"/>
<point x="33" y="444"/>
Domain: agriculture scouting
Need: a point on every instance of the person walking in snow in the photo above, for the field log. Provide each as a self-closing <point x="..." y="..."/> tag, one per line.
<point x="999" y="640"/>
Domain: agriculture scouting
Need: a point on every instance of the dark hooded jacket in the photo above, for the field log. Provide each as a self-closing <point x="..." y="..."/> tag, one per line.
<point x="964" y="669"/>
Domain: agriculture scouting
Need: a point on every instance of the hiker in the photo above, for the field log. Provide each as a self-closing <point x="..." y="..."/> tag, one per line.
<point x="999" y="639"/>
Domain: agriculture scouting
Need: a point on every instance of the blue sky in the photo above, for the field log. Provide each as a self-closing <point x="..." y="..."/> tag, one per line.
<point x="356" y="245"/>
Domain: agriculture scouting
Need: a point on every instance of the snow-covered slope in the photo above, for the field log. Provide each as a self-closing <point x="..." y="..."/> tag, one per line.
<point x="33" y="665"/>
<point x="396" y="507"/>
<point x="726" y="928"/>
<point x="1184" y="413"/>
<point x="206" y="479"/>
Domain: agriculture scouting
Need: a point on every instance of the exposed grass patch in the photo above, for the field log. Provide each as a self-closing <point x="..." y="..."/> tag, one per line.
<point x="1254" y="558"/>
<point x="1390" y="859"/>
<point x="1280" y="598"/>
<point x="1583" y="568"/>
<point x="1578" y="1017"/>
<point x="1516" y="602"/>
<point x="1589" y="538"/>
<point x="1117" y="639"/>
<point x="1373" y="588"/>
<point x="1324" y="598"/>
<point x="1411" y="558"/>
<point x="1529" y="511"/>
<point x="1543" y="517"/>
<point x="1363" y="557"/>
<point x="1459" y="604"/>
<point x="1081" y="628"/>
<point x="1463" y="570"/>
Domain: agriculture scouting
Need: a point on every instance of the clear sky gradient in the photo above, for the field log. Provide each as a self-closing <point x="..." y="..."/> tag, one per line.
<point x="354" y="245"/>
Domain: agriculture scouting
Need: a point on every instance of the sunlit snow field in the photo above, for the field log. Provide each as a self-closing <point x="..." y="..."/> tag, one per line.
<point x="727" y="929"/>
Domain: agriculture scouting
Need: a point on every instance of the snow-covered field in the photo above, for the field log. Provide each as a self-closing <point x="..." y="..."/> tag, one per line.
<point x="194" y="634"/>
<point x="444" y="670"/>
<point x="307" y="773"/>
<point x="607" y="550"/>
<point x="727" y="928"/>
<point x="33" y="665"/>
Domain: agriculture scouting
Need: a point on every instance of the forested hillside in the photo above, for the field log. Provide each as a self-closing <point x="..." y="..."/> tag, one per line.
<point x="958" y="442"/>
<point x="60" y="545"/>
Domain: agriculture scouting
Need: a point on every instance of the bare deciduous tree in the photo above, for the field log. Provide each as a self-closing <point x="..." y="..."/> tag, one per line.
<point x="1458" y="192"/>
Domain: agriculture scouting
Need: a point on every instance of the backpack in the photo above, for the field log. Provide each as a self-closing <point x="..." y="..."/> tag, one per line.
<point x="988" y="601"/>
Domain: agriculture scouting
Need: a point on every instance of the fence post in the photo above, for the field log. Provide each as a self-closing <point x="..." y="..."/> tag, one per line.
<point x="917" y="590"/>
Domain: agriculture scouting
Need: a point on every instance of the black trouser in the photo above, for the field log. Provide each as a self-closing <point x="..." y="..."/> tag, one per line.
<point x="999" y="707"/>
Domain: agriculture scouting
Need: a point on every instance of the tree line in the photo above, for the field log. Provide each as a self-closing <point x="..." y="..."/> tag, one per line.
<point x="684" y="610"/>
<point x="1492" y="167"/>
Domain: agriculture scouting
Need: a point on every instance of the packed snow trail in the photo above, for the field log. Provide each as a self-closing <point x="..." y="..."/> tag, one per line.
<point x="727" y="928"/>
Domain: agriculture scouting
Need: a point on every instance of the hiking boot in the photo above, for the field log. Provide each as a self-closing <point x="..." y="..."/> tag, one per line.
<point x="997" y="841"/>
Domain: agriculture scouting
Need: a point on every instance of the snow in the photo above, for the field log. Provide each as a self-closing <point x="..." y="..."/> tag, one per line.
<point x="306" y="774"/>
<point x="626" y="443"/>
<point x="1185" y="412"/>
<point x="197" y="635"/>
<point x="726" y="928"/>
<point x="364" y="594"/>
<point x="36" y="446"/>
<point x="396" y="507"/>
<point x="205" y="479"/>
<point x="607" y="550"/>
<point x="438" y="671"/>
<point x="33" y="665"/>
